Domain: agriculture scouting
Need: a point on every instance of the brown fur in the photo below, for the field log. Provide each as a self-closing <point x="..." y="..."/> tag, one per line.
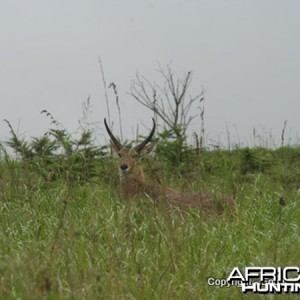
<point x="132" y="184"/>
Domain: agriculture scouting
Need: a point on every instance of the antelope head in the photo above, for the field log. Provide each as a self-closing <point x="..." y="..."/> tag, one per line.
<point x="129" y="158"/>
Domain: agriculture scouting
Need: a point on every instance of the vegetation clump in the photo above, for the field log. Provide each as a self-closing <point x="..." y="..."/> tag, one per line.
<point x="65" y="232"/>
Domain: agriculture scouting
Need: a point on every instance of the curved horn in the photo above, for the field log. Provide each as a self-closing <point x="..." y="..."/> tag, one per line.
<point x="113" y="138"/>
<point x="140" y="146"/>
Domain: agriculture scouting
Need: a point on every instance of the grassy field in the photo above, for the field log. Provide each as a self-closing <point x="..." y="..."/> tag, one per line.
<point x="68" y="237"/>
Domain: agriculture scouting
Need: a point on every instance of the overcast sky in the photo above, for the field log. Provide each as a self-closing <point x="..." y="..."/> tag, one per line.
<point x="245" y="54"/>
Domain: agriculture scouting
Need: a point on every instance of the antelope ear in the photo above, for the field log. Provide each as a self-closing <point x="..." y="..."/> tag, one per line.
<point x="146" y="150"/>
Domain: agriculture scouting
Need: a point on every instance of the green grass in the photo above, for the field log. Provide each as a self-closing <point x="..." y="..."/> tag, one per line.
<point x="78" y="240"/>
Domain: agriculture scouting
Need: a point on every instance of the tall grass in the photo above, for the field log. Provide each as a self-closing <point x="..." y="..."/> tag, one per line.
<point x="74" y="237"/>
<point x="66" y="234"/>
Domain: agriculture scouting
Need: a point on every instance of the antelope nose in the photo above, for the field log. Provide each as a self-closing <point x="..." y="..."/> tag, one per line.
<point x="124" y="167"/>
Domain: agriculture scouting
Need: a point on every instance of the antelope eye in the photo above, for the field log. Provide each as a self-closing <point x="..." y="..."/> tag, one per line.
<point x="119" y="154"/>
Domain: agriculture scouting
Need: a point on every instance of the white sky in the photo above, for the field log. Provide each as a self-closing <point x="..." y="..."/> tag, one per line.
<point x="244" y="53"/>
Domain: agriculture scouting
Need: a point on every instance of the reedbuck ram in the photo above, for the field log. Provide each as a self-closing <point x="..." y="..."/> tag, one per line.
<point x="132" y="182"/>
